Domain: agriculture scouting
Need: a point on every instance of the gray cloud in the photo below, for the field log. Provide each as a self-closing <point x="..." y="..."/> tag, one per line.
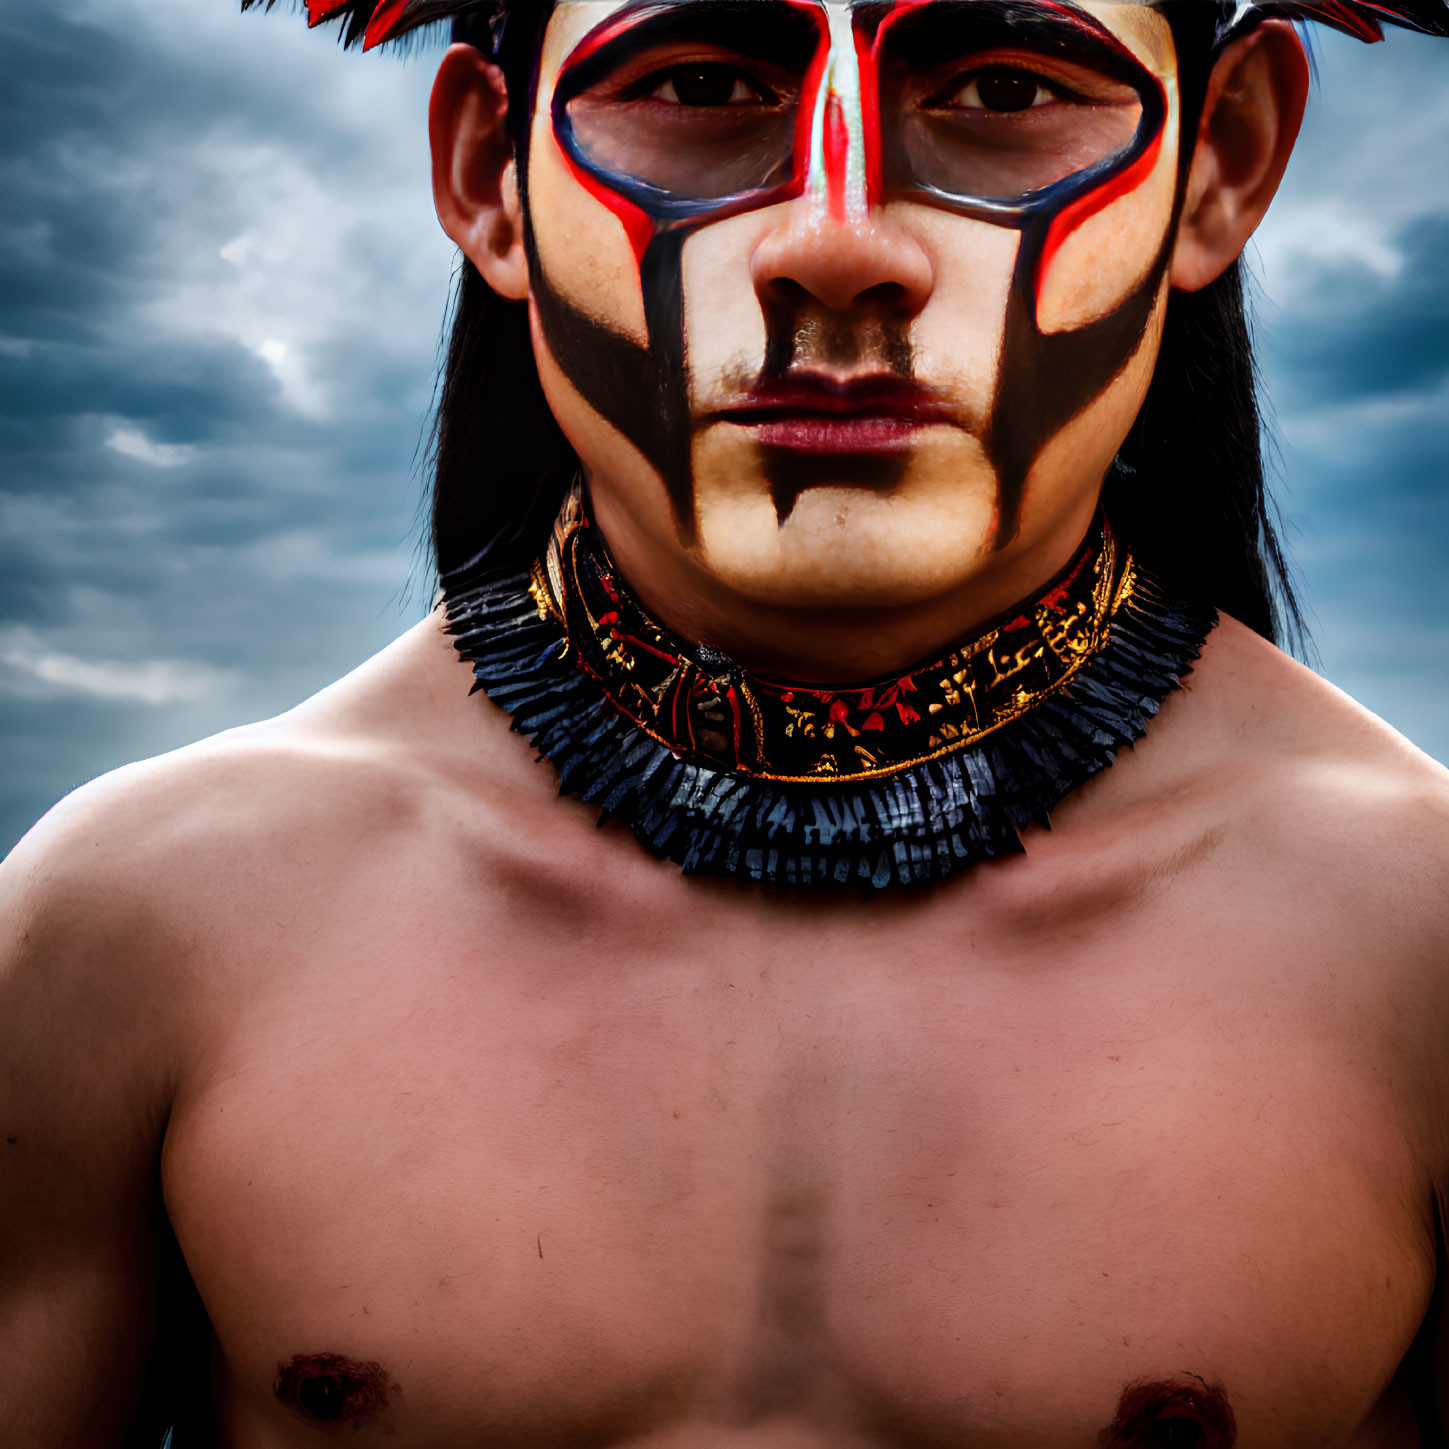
<point x="220" y="293"/>
<point x="1372" y="332"/>
<point x="1356" y="354"/>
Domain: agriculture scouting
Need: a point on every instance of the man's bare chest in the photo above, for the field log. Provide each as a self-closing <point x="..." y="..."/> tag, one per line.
<point x="793" y="1185"/>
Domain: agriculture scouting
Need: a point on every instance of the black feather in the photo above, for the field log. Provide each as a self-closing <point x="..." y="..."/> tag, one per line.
<point x="912" y="828"/>
<point x="1361" y="18"/>
<point x="352" y="16"/>
<point x="1357" y="17"/>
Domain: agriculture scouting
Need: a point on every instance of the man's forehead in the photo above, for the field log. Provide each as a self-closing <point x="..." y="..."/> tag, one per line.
<point x="1139" y="24"/>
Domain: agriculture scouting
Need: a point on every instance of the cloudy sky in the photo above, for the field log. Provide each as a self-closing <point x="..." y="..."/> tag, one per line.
<point x="221" y="289"/>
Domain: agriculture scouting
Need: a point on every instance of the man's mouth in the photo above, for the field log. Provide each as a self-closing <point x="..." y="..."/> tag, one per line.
<point x="811" y="412"/>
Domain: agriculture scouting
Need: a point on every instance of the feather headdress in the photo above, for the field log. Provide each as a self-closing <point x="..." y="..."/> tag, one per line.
<point x="1362" y="19"/>
<point x="376" y="22"/>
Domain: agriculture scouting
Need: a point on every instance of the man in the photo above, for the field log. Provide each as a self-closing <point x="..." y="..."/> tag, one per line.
<point x="894" y="1117"/>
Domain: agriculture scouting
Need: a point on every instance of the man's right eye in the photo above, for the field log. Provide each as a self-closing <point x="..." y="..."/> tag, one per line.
<point x="706" y="83"/>
<point x="1002" y="90"/>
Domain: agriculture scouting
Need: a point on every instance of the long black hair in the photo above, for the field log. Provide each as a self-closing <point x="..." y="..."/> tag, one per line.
<point x="1187" y="490"/>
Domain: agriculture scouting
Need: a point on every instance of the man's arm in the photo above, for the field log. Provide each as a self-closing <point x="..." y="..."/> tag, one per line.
<point x="83" y="1098"/>
<point x="1423" y="839"/>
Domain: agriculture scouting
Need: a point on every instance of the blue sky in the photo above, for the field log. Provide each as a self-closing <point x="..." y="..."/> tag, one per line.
<point x="221" y="289"/>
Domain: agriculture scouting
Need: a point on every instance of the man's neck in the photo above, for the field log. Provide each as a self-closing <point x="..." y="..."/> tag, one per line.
<point x="813" y="641"/>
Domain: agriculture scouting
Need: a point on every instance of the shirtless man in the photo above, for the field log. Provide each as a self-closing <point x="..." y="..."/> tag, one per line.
<point x="479" y="1125"/>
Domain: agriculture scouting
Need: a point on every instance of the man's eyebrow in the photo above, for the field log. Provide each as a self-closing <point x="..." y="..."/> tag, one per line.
<point x="757" y="26"/>
<point x="1056" y="23"/>
<point x="1060" y="20"/>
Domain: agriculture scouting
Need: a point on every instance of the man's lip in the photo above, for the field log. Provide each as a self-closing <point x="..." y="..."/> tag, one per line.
<point x="818" y="414"/>
<point x="875" y="395"/>
<point x="827" y="433"/>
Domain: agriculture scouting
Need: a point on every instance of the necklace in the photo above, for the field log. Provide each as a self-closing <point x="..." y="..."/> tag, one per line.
<point x="901" y="780"/>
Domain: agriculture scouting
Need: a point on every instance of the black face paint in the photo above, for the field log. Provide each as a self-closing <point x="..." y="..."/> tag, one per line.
<point x="1047" y="379"/>
<point x="790" y="474"/>
<point x="802" y="336"/>
<point x="645" y="392"/>
<point x="1044" y="380"/>
<point x="626" y="384"/>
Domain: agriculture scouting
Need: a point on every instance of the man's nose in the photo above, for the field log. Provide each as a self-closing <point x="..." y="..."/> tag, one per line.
<point x="869" y="263"/>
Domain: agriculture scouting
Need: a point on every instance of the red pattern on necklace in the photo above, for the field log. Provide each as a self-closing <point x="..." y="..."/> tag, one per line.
<point x="707" y="708"/>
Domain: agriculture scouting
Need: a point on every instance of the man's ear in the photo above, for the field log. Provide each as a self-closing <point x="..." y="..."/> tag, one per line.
<point x="475" y="182"/>
<point x="1250" y="120"/>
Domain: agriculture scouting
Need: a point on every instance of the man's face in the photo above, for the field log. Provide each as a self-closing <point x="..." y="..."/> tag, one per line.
<point x="850" y="303"/>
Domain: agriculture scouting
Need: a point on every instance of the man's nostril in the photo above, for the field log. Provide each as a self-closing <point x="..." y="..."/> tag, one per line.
<point x="883" y="297"/>
<point x="787" y="297"/>
<point x="786" y="293"/>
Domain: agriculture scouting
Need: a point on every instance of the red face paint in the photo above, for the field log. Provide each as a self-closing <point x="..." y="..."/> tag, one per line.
<point x="869" y="116"/>
<point x="837" y="146"/>
<point x="639" y="168"/>
<point x="809" y="91"/>
<point x="1074" y="213"/>
<point x="638" y="226"/>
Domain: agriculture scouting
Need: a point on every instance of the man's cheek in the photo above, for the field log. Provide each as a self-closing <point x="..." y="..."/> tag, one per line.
<point x="957" y="339"/>
<point x="724" y="322"/>
<point x="581" y="244"/>
<point x="1108" y="255"/>
<point x="1085" y="444"/>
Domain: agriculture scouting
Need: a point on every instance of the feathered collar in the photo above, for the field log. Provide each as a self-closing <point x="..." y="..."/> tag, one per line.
<point x="897" y="781"/>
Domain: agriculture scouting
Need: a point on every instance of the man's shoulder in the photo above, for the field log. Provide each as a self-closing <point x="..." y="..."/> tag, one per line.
<point x="1312" y="774"/>
<point x="1293" y="717"/>
<point x="152" y="901"/>
<point x="253" y="810"/>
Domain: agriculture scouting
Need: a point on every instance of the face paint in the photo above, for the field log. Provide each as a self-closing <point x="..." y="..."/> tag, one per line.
<point x="629" y="156"/>
<point x="1045" y="190"/>
<point x="678" y="115"/>
<point x="837" y="126"/>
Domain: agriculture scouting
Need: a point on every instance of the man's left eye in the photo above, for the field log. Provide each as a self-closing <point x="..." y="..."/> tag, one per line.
<point x="707" y="83"/>
<point x="1001" y="91"/>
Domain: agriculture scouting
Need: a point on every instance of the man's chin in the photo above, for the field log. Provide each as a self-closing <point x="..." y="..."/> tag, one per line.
<point x="792" y="474"/>
<point x="849" y="539"/>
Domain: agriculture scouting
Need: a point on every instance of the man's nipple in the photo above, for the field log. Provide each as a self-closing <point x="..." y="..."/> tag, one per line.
<point x="327" y="1388"/>
<point x="1186" y="1413"/>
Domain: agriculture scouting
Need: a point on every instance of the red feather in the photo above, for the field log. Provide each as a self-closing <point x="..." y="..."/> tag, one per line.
<point x="1343" y="17"/>
<point x="385" y="20"/>
<point x="321" y="11"/>
<point x="1363" y="19"/>
<point x="375" y="22"/>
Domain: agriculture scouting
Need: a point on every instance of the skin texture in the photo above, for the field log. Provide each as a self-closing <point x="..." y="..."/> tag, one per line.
<point x="445" y="1079"/>
<point x="495" y="1131"/>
